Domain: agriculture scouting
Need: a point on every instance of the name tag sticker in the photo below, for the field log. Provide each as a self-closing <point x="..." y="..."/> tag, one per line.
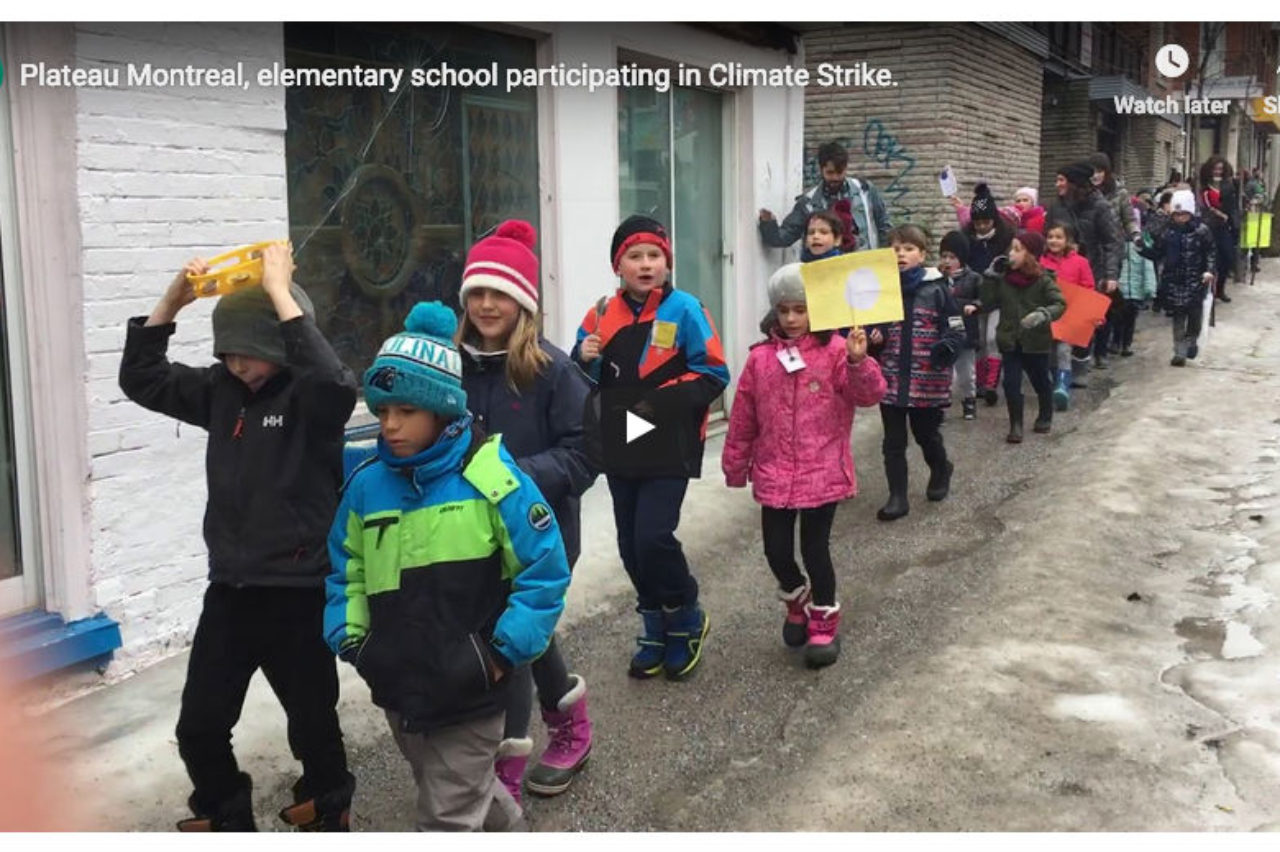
<point x="791" y="359"/>
<point x="664" y="334"/>
<point x="956" y="323"/>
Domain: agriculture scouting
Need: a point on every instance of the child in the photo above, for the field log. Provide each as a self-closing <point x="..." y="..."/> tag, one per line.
<point x="1070" y="267"/>
<point x="656" y="344"/>
<point x="1029" y="301"/>
<point x="522" y="387"/>
<point x="989" y="234"/>
<point x="448" y="573"/>
<point x="963" y="284"/>
<point x="916" y="355"/>
<point x="1137" y="285"/>
<point x="275" y="409"/>
<point x="825" y="236"/>
<point x="1189" y="260"/>
<point x="1030" y="213"/>
<point x="789" y="434"/>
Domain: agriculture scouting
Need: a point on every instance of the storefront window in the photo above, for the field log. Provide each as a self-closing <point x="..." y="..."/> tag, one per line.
<point x="10" y="552"/>
<point x="388" y="190"/>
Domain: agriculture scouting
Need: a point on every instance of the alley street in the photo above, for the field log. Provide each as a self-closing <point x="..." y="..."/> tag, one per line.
<point x="1082" y="637"/>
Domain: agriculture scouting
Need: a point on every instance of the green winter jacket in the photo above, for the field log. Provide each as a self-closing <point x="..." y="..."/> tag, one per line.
<point x="1016" y="302"/>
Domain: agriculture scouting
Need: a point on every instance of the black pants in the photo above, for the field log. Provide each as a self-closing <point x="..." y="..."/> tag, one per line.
<point x="1187" y="322"/>
<point x="1127" y="323"/>
<point x="1226" y="249"/>
<point x="926" y="426"/>
<point x="779" y="528"/>
<point x="550" y="675"/>
<point x="280" y="631"/>
<point x="1036" y="366"/>
<point x="647" y="512"/>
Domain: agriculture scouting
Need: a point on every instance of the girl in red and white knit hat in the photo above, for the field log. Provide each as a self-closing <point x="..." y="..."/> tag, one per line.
<point x="525" y="388"/>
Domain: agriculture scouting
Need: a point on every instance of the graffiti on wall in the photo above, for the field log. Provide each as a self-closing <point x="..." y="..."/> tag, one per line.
<point x="882" y="147"/>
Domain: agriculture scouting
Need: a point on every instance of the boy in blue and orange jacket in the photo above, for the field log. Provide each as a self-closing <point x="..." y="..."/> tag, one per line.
<point x="653" y="352"/>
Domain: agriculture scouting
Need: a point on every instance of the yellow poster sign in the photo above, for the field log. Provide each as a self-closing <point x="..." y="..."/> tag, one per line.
<point x="853" y="289"/>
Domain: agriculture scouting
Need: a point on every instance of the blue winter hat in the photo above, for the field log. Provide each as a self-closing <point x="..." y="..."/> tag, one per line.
<point x="420" y="366"/>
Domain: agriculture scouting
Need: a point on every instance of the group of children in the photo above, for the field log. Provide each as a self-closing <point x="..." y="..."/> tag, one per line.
<point x="438" y="567"/>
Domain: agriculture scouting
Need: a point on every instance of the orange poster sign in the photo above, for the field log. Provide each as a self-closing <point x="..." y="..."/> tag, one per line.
<point x="1086" y="309"/>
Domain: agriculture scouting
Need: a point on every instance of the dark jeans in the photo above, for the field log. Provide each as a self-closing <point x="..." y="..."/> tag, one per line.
<point x="1036" y="366"/>
<point x="926" y="426"/>
<point x="647" y="512"/>
<point x="1224" y="242"/>
<point x="1127" y="323"/>
<point x="1186" y="327"/>
<point x="779" y="528"/>
<point x="549" y="675"/>
<point x="280" y="631"/>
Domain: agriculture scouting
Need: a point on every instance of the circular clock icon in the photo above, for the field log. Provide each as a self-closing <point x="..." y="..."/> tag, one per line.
<point x="1172" y="60"/>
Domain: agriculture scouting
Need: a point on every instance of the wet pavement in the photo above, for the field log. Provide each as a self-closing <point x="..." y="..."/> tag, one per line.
<point x="1082" y="637"/>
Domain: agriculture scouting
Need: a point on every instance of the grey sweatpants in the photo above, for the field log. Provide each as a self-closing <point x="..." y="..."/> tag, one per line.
<point x="964" y="377"/>
<point x="453" y="768"/>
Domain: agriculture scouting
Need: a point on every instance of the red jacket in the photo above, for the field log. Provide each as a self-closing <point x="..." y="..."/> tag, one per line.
<point x="1071" y="268"/>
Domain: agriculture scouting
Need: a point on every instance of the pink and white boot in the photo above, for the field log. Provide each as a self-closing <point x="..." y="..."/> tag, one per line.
<point x="513" y="757"/>
<point x="823" y="647"/>
<point x="795" y="629"/>
<point x="568" y="742"/>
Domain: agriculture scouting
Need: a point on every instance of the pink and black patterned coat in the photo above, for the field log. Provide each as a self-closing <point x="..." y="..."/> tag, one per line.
<point x="918" y="352"/>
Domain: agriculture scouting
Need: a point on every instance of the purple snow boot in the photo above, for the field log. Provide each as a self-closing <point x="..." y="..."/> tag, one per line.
<point x="513" y="756"/>
<point x="569" y="742"/>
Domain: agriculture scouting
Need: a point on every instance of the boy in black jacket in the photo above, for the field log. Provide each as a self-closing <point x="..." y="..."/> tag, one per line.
<point x="964" y="283"/>
<point x="275" y="408"/>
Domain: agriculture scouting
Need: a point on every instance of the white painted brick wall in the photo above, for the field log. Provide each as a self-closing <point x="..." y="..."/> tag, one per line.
<point x="163" y="176"/>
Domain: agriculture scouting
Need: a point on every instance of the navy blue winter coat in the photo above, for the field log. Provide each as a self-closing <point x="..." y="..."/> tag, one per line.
<point x="541" y="428"/>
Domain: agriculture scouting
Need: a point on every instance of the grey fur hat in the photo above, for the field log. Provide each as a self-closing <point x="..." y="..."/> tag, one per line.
<point x="245" y="323"/>
<point x="786" y="285"/>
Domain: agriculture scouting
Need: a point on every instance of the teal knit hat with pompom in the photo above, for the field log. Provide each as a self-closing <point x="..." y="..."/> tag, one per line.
<point x="419" y="366"/>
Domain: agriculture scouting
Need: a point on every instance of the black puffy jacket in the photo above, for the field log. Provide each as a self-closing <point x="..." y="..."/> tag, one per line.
<point x="273" y="460"/>
<point x="541" y="428"/>
<point x="1097" y="231"/>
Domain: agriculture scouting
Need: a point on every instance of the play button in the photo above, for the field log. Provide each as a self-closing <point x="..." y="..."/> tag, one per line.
<point x="637" y="427"/>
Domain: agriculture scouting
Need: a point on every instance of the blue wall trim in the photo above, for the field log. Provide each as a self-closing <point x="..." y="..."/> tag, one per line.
<point x="36" y="643"/>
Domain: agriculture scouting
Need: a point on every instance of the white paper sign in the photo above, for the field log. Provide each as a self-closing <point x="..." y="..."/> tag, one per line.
<point x="947" y="180"/>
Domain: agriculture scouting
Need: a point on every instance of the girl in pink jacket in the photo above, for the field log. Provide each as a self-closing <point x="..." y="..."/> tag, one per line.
<point x="789" y="435"/>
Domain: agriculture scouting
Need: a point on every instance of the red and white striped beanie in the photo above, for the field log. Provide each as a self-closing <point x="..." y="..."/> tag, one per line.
<point x="505" y="262"/>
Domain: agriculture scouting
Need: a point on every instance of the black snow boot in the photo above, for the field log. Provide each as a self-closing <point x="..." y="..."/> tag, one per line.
<point x="329" y="811"/>
<point x="1044" y="420"/>
<point x="232" y="814"/>
<point x="939" y="480"/>
<point x="1015" y="420"/>
<point x="895" y="470"/>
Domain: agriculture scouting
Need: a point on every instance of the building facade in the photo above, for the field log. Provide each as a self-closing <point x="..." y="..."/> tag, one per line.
<point x="105" y="192"/>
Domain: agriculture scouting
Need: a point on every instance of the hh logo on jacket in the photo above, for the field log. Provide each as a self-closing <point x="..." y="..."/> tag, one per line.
<point x="273" y="421"/>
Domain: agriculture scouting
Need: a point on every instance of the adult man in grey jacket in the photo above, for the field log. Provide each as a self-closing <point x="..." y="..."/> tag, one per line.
<point x="870" y="217"/>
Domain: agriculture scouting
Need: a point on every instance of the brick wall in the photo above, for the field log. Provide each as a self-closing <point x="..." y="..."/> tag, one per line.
<point x="1146" y="160"/>
<point x="965" y="97"/>
<point x="164" y="175"/>
<point x="1067" y="130"/>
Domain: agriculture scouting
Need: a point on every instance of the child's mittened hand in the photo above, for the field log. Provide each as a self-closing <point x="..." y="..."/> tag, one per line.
<point x="855" y="345"/>
<point x="590" y="349"/>
<point x="1034" y="319"/>
<point x="277" y="268"/>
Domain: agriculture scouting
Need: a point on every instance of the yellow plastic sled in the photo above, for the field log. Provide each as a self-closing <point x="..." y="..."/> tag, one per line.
<point x="242" y="267"/>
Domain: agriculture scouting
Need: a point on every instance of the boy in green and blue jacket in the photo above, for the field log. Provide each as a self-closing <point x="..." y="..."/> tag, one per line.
<point x="448" y="572"/>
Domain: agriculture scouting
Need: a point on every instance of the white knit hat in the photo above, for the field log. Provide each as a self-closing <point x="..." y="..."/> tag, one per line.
<point x="786" y="285"/>
<point x="1184" y="201"/>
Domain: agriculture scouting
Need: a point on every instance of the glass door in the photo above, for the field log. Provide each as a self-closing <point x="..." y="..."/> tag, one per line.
<point x="672" y="162"/>
<point x="19" y="573"/>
